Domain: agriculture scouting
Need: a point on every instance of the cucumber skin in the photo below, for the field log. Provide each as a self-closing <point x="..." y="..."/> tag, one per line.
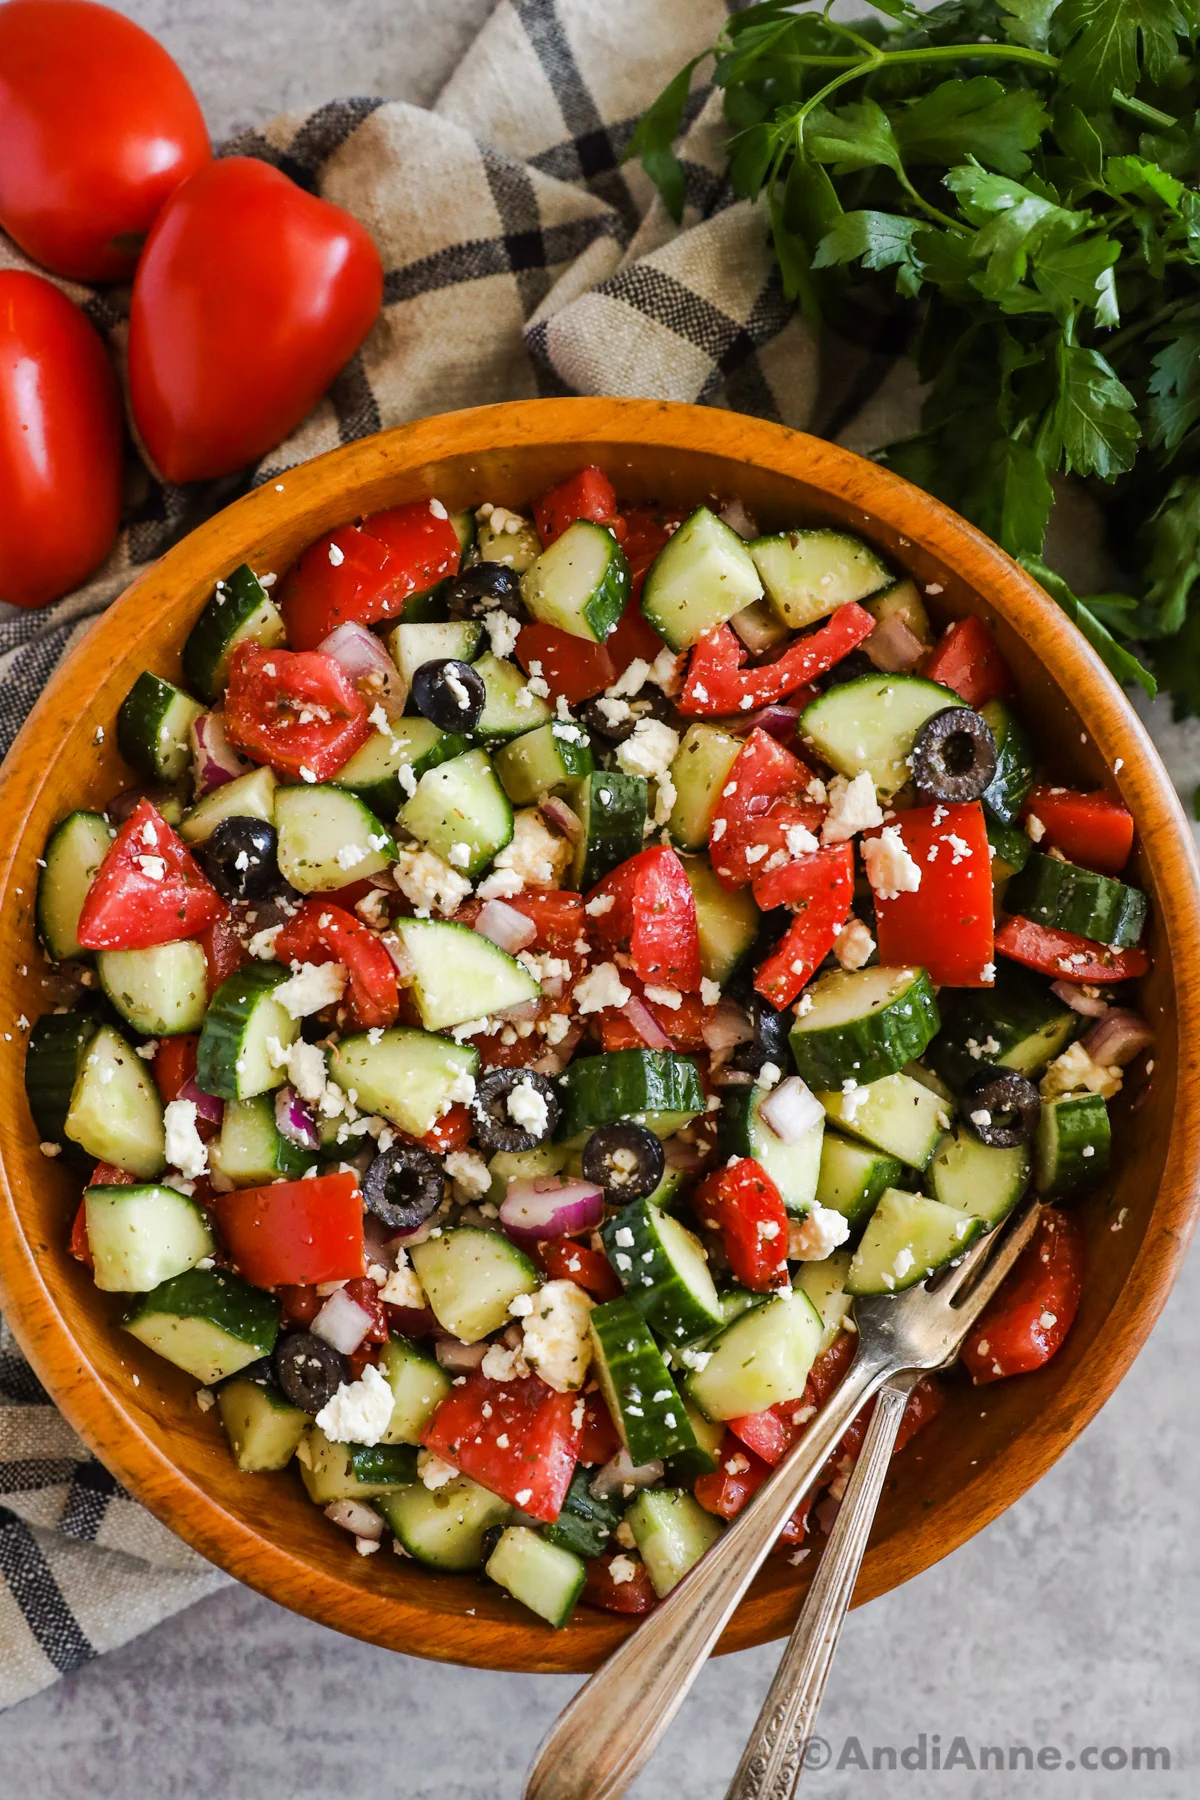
<point x="868" y="1049"/>
<point x="1006" y="793"/>
<point x="612" y="831"/>
<point x="1014" y="1012"/>
<point x="654" y="1287"/>
<point x="1069" y="898"/>
<point x="620" y="1084"/>
<point x="635" y="1369"/>
<point x="53" y="1059"/>
<point x="56" y="948"/>
<point x="218" y="1050"/>
<point x="1060" y="1169"/>
<point x="235" y="601"/>
<point x="222" y="1299"/>
<point x="140" y="714"/>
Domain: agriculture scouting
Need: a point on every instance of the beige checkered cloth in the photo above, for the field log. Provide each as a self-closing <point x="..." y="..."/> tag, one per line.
<point x="522" y="258"/>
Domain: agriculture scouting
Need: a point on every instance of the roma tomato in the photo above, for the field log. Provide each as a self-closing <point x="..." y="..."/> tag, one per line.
<point x="744" y="1205"/>
<point x="519" y="1439"/>
<point x="634" y="1594"/>
<point x="98" y="126"/>
<point x="1034" y="1308"/>
<point x="321" y="933"/>
<point x="562" y="1259"/>
<point x="1093" y="830"/>
<point x="249" y="297"/>
<point x="967" y="658"/>
<point x="174" y="1065"/>
<point x="60" y="438"/>
<point x="654" y="913"/>
<point x="569" y="665"/>
<point x="295" y="1233"/>
<point x="945" y="925"/>
<point x="295" y="709"/>
<point x="367" y="572"/>
<point x="588" y="495"/>
<point x="148" y="890"/>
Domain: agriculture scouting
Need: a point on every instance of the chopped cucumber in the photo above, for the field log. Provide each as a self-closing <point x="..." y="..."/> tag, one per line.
<point x="408" y="1077"/>
<point x="645" y="1404"/>
<point x="1006" y="793"/>
<point x="586" y="1522"/>
<point x="411" y="645"/>
<point x="251" y="1150"/>
<point x="862" y="1024"/>
<point x="1071" y="1151"/>
<point x="239" y="612"/>
<point x="261" y="1424"/>
<point x="541" y="1575"/>
<point x="825" y="1285"/>
<point x="419" y="1384"/>
<point x="471" y="1277"/>
<point x="664" y="1271"/>
<point x="979" y="1178"/>
<point x="672" y="1531"/>
<point x="1010" y="849"/>
<point x="906" y="1239"/>
<point x="902" y="597"/>
<point x="459" y="974"/>
<point x="115" y="1112"/>
<point x="249" y="796"/>
<point x="727" y="923"/>
<point x="580" y="583"/>
<point x="870" y="725"/>
<point x="705" y="1459"/>
<point x="540" y="762"/>
<point x="897" y="1115"/>
<point x="461" y="812"/>
<point x="761" y="1358"/>
<point x="654" y="1087"/>
<point x="373" y="773"/>
<point x="509" y="707"/>
<point x="699" y="772"/>
<point x="327" y="837"/>
<point x="853" y="1176"/>
<point x="207" y="1322"/>
<point x="1065" y="897"/>
<point x="335" y="1471"/>
<point x="446" y="1528"/>
<point x="159" y="991"/>
<point x="809" y="574"/>
<point x="794" y="1168"/>
<point x="154" y="727"/>
<point x="1018" y="1024"/>
<point x="524" y="1165"/>
<point x="702" y="576"/>
<point x="612" y="809"/>
<point x="75" y="849"/>
<point x="54" y="1060"/>
<point x="142" y="1235"/>
<point x="243" y="1025"/>
<point x="517" y="549"/>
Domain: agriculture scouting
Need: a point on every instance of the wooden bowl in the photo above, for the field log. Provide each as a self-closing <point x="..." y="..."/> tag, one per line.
<point x="984" y="1450"/>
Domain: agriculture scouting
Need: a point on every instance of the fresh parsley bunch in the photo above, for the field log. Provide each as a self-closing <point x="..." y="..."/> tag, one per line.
<point x="1017" y="179"/>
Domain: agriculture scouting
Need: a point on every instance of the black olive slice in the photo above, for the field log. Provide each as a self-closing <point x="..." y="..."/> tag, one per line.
<point x="1003" y="1110"/>
<point x="449" y="693"/>
<point x="309" y="1370"/>
<point x="954" y="756"/>
<point x="403" y="1186"/>
<point x="625" y="1159"/>
<point x="495" y="1127"/>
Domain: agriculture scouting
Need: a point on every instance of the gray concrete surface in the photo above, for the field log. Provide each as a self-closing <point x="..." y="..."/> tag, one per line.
<point x="1070" y="1624"/>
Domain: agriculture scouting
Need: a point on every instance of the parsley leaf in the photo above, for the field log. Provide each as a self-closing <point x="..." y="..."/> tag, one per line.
<point x="879" y="241"/>
<point x="976" y="118"/>
<point x="859" y="136"/>
<point x="1091" y="427"/>
<point x="654" y="139"/>
<point x="1104" y="39"/>
<point x="1174" y="385"/>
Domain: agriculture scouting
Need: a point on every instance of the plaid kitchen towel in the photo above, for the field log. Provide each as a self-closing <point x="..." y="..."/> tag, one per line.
<point x="522" y="258"/>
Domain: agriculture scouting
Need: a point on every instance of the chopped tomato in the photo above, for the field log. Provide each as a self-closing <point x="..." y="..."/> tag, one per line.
<point x="321" y="933"/>
<point x="945" y="925"/>
<point x="559" y="917"/>
<point x="295" y="1233"/>
<point x="633" y="1595"/>
<point x="79" y="1246"/>
<point x="367" y="573"/>
<point x="518" y="1439"/>
<point x="763" y="800"/>
<point x="297" y="710"/>
<point x="1026" y="1321"/>
<point x="349" y="896"/>
<point x="683" y="1024"/>
<point x="148" y="890"/>
<point x="1061" y="954"/>
<point x="588" y="495"/>
<point x="451" y="1132"/>
<point x="923" y="1404"/>
<point x="569" y="665"/>
<point x="654" y="912"/>
<point x="819" y="889"/>
<point x="717" y="683"/>
<point x="736" y="1480"/>
<point x="364" y="1293"/>
<point x="224" y="952"/>
<point x="967" y="659"/>
<point x="1093" y="830"/>
<point x="108" y="1175"/>
<point x="174" y="1064"/>
<point x="601" y="1440"/>
<point x="744" y="1205"/>
<point x="300" y="1303"/>
<point x="646" y="531"/>
<point x="562" y="1259"/>
<point x="634" y="636"/>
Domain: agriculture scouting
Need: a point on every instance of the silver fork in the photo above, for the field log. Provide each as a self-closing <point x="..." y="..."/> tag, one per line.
<point x="609" y="1731"/>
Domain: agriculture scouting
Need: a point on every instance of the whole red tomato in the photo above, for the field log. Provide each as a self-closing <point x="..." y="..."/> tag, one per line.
<point x="250" y="296"/>
<point x="60" y="443"/>
<point x="97" y="128"/>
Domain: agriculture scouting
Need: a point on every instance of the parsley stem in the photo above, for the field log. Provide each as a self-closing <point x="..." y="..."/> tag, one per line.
<point x="1140" y="109"/>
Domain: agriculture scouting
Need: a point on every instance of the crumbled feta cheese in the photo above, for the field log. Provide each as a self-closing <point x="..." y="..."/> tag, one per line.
<point x="154" y="868"/>
<point x="557" y="1339"/>
<point x="556" y="1028"/>
<point x="666" y="671"/>
<point x="622" y="1569"/>
<point x="262" y="944"/>
<point x="306" y="1069"/>
<point x="434" y="1471"/>
<point x="185" y="1148"/>
<point x="1034" y="828"/>
<point x="710" y="991"/>
<point x="603" y="903"/>
<point x="800" y="841"/>
<point x="650" y="751"/>
<point x="460" y="856"/>
<point x="469" y="1174"/>
<point x="665" y="796"/>
<point x="314" y="986"/>
<point x="527" y="1108"/>
<point x="817" y="1235"/>
<point x="502" y="629"/>
<point x="360" y="1412"/>
<point x="804" y="1005"/>
<point x="534" y="853"/>
<point x="903" y="1262"/>
<point x="309" y="775"/>
<point x="501" y="884"/>
<point x="402" y="1287"/>
<point x="890" y="868"/>
<point x="669" y="997"/>
<point x="768" y="1076"/>
<point x="407" y="780"/>
<point x="1074" y="1071"/>
<point x="1047" y="1320"/>
<point x="427" y="881"/>
<point x="501" y="1364"/>
<point x="601" y="987"/>
<point x="337" y="557"/>
<point x="853" y="945"/>
<point x="853" y="807"/>
<point x="613" y="712"/>
<point x="631" y="680"/>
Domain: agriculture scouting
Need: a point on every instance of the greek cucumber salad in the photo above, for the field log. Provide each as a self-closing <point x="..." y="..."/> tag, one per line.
<point x="549" y="964"/>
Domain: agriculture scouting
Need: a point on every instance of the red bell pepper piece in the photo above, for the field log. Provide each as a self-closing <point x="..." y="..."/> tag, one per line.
<point x="967" y="659"/>
<point x="174" y="1065"/>
<point x="1062" y="955"/>
<point x="762" y="800"/>
<point x="224" y="952"/>
<point x="321" y="933"/>
<point x="1093" y="830"/>
<point x="601" y="1440"/>
<point x="1028" y="1318"/>
<point x="562" y="1259"/>
<point x="532" y="1468"/>
<point x="634" y="1595"/>
<point x="379" y="566"/>
<point x="744" y="1205"/>
<point x="297" y="710"/>
<point x="148" y="890"/>
<point x="295" y="1233"/>
<point x="946" y="925"/>
<point x="587" y="495"/>
<point x="568" y="665"/>
<point x="716" y="682"/>
<point x="819" y="888"/>
<point x="654" y="912"/>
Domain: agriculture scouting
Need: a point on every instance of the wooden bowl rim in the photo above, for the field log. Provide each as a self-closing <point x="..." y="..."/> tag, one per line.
<point x="94" y="1409"/>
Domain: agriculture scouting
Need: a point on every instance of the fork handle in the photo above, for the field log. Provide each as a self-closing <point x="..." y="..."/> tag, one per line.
<point x="613" y="1725"/>
<point x="774" y="1757"/>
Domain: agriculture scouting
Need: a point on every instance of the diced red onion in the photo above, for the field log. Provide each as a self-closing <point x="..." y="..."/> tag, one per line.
<point x="727" y="1026"/>
<point x="727" y="1077"/>
<point x="735" y="515"/>
<point x="555" y="1058"/>
<point x="619" y="1473"/>
<point x="353" y="1516"/>
<point x="680" y="1154"/>
<point x="1117" y="1038"/>
<point x="208" y="1106"/>
<point x="777" y="721"/>
<point x="504" y="926"/>
<point x="365" y="660"/>
<point x="378" y="1241"/>
<point x="645" y="1023"/>
<point x="791" y="1110"/>
<point x="458" y="1358"/>
<point x="894" y="645"/>
<point x="547" y="1207"/>
<point x="214" y="759"/>
<point x="294" y="1119"/>
<point x="342" y="1322"/>
<point x="401" y="961"/>
<point x="563" y="817"/>
<point x="1091" y="1006"/>
<point x="121" y="805"/>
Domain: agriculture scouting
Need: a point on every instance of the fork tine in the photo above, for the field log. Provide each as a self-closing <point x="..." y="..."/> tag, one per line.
<point x="969" y="1300"/>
